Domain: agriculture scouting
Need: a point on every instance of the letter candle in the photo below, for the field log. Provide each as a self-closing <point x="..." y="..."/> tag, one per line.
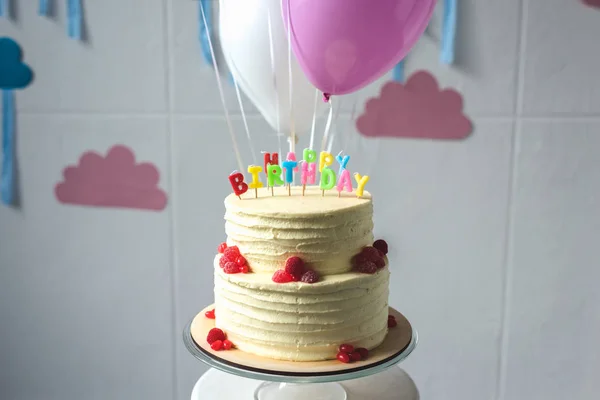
<point x="309" y="168"/>
<point x="284" y="174"/>
<point x="256" y="184"/>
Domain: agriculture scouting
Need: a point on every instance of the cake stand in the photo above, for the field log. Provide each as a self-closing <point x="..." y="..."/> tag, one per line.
<point x="299" y="380"/>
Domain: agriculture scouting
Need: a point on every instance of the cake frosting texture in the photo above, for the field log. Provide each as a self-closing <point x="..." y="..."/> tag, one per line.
<point x="300" y="321"/>
<point x="326" y="231"/>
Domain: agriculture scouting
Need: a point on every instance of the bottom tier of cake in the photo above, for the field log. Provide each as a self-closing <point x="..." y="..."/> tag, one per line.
<point x="298" y="321"/>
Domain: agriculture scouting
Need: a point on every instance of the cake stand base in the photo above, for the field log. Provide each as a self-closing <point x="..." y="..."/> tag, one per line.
<point x="300" y="391"/>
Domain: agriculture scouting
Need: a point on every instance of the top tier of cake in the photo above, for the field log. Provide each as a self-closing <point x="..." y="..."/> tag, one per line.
<point x="324" y="230"/>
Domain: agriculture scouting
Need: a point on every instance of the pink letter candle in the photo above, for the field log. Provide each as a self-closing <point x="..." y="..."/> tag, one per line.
<point x="344" y="181"/>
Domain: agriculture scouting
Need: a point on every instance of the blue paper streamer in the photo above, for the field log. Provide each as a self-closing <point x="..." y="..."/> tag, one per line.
<point x="3" y="8"/>
<point x="8" y="146"/>
<point x="205" y="30"/>
<point x="74" y="19"/>
<point x="44" y="8"/>
<point x="398" y="72"/>
<point x="448" y="31"/>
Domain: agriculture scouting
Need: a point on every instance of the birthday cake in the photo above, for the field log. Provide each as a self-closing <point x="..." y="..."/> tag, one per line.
<point x="300" y="276"/>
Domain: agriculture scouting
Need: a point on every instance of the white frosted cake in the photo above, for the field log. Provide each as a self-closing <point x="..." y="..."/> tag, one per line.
<point x="299" y="276"/>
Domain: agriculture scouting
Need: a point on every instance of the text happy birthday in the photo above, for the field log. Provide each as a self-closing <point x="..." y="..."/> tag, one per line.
<point x="284" y="175"/>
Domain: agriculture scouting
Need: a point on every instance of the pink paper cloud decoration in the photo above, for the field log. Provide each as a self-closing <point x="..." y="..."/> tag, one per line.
<point x="416" y="109"/>
<point x="112" y="181"/>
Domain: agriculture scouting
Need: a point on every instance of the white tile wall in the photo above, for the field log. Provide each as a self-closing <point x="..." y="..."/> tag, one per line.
<point x="494" y="238"/>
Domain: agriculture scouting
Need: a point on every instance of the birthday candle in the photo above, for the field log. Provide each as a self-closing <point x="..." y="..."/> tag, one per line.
<point x="271" y="159"/>
<point x="274" y="175"/>
<point x="309" y="155"/>
<point x="325" y="160"/>
<point x="256" y="183"/>
<point x="327" y="179"/>
<point x="361" y="181"/>
<point x="343" y="161"/>
<point x="309" y="173"/>
<point x="237" y="183"/>
<point x="344" y="181"/>
<point x="291" y="156"/>
<point x="290" y="167"/>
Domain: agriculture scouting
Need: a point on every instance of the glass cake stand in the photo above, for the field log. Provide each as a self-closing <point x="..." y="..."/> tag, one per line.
<point x="303" y="382"/>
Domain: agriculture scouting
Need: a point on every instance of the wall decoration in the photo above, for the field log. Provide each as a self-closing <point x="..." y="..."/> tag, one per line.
<point x="417" y="109"/>
<point x="592" y="3"/>
<point x="112" y="181"/>
<point x="14" y="74"/>
<point x="5" y="10"/>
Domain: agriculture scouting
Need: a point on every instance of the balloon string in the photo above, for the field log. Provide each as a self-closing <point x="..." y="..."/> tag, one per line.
<point x="241" y="103"/>
<point x="314" y="120"/>
<point x="272" y="54"/>
<point x="448" y="31"/>
<point x="335" y="126"/>
<point x="327" y="127"/>
<point x="350" y="122"/>
<point x="291" y="86"/>
<point x="220" y="86"/>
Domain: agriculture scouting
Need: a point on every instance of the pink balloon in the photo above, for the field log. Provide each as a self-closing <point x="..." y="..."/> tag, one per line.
<point x="343" y="45"/>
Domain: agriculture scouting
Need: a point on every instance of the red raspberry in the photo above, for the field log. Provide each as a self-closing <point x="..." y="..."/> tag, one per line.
<point x="216" y="345"/>
<point x="222" y="247"/>
<point x="372" y="253"/>
<point x="380" y="263"/>
<point x="222" y="261"/>
<point x="210" y="314"/>
<point x="392" y="322"/>
<point x="281" y="276"/>
<point x="227" y="345"/>
<point x="310" y="277"/>
<point x="244" y="269"/>
<point x="240" y="261"/>
<point x="381" y="245"/>
<point x="359" y="259"/>
<point x="215" y="334"/>
<point x="295" y="267"/>
<point x="343" y="357"/>
<point x="355" y="356"/>
<point x="231" y="253"/>
<point x="231" y="268"/>
<point x="367" y="268"/>
<point x="346" y="348"/>
<point x="364" y="353"/>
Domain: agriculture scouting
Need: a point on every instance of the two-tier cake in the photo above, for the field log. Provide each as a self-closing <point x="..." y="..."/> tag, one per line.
<point x="300" y="274"/>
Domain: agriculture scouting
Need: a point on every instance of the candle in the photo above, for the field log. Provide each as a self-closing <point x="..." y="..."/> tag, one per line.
<point x="274" y="176"/>
<point x="291" y="156"/>
<point x="270" y="159"/>
<point x="309" y="155"/>
<point x="327" y="179"/>
<point x="256" y="183"/>
<point x="289" y="167"/>
<point x="343" y="161"/>
<point x="344" y="181"/>
<point x="237" y="183"/>
<point x="361" y="181"/>
<point x="325" y="160"/>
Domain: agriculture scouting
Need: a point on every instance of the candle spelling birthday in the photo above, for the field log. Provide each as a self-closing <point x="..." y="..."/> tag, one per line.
<point x="284" y="174"/>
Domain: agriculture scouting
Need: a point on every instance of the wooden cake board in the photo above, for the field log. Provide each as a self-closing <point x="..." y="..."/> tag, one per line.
<point x="397" y="341"/>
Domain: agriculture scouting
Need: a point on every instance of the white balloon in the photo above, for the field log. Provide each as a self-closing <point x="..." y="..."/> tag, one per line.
<point x="246" y="46"/>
